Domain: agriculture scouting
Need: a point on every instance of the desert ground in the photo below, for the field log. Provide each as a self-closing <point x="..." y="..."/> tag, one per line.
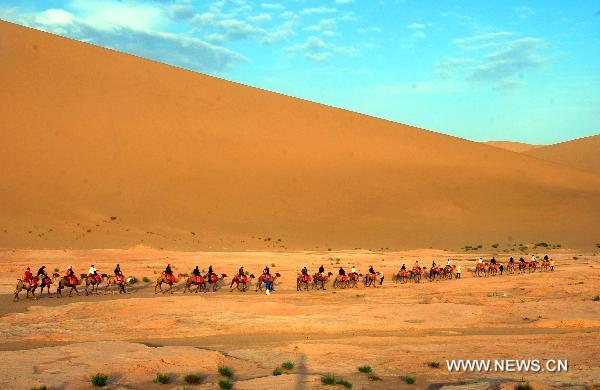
<point x="397" y="329"/>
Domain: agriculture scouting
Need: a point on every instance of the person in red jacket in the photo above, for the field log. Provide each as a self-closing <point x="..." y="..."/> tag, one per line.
<point x="28" y="275"/>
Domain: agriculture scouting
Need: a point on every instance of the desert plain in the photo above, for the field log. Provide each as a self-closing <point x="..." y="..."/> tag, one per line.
<point x="396" y="329"/>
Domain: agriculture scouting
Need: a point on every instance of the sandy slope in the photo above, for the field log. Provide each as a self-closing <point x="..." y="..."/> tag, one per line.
<point x="182" y="160"/>
<point x="518" y="147"/>
<point x="396" y="329"/>
<point x="582" y="153"/>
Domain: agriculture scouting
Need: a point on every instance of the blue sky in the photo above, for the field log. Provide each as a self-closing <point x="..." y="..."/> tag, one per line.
<point x="511" y="70"/>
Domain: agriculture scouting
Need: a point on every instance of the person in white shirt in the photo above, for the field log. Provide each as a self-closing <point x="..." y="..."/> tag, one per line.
<point x="353" y="270"/>
<point x="480" y="260"/>
<point x="92" y="270"/>
<point x="458" y="269"/>
<point x="448" y="263"/>
<point x="533" y="258"/>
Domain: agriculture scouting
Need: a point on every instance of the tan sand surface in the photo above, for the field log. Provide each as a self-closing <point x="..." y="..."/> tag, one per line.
<point x="396" y="329"/>
<point x="518" y="147"/>
<point x="582" y="153"/>
<point x="106" y="150"/>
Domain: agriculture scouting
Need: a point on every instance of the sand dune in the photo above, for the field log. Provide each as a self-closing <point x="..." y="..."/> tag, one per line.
<point x="518" y="147"/>
<point x="582" y="153"/>
<point x="102" y="149"/>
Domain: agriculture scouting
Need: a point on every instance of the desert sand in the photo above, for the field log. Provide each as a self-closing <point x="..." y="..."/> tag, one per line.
<point x="397" y="329"/>
<point x="583" y="153"/>
<point x="107" y="150"/>
<point x="518" y="147"/>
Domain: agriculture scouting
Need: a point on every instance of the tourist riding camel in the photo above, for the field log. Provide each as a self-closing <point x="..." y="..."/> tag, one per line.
<point x="93" y="273"/>
<point x="118" y="270"/>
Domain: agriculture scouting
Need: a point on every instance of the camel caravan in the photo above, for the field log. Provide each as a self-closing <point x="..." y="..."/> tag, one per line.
<point x="95" y="283"/>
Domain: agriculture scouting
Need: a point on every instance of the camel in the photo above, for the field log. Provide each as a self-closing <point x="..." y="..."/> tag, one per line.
<point x="403" y="276"/>
<point x="480" y="269"/>
<point x="435" y="273"/>
<point x="524" y="266"/>
<point x="492" y="269"/>
<point x="162" y="278"/>
<point x="448" y="271"/>
<point x="321" y="279"/>
<point x="371" y="280"/>
<point x="241" y="283"/>
<point x="303" y="280"/>
<point x="111" y="280"/>
<point x="27" y="286"/>
<point x="353" y="279"/>
<point x="197" y="281"/>
<point x="93" y="282"/>
<point x="533" y="266"/>
<point x="64" y="283"/>
<point x="262" y="279"/>
<point x="212" y="281"/>
<point x="510" y="267"/>
<point x="341" y="281"/>
<point x="416" y="274"/>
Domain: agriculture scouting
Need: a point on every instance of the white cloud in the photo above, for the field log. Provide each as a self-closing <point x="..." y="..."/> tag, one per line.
<point x="317" y="10"/>
<point x="416" y="26"/>
<point x="317" y="57"/>
<point x="273" y="6"/>
<point x="344" y="1"/>
<point x="188" y="52"/>
<point x="524" y="12"/>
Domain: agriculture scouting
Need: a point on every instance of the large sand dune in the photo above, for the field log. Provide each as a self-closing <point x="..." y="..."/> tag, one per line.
<point x="183" y="160"/>
<point x="582" y="153"/>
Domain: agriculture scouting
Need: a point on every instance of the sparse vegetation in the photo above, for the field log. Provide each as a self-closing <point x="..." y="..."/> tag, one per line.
<point x="365" y="369"/>
<point x="225" y="385"/>
<point x="132" y="280"/>
<point x="411" y="380"/>
<point x="99" y="380"/>
<point x="39" y="388"/>
<point x="542" y="244"/>
<point x="596" y="298"/>
<point x="523" y="386"/>
<point x="272" y="264"/>
<point x="575" y="257"/>
<point x="192" y="379"/>
<point x="145" y="279"/>
<point x="225" y="371"/>
<point x="193" y="233"/>
<point x="89" y="230"/>
<point x="56" y="270"/>
<point x="344" y="383"/>
<point x="287" y="365"/>
<point x="276" y="372"/>
<point x="434" y="364"/>
<point x="374" y="377"/>
<point x="495" y="246"/>
<point x="162" y="378"/>
<point x="328" y="380"/>
<point x="113" y="218"/>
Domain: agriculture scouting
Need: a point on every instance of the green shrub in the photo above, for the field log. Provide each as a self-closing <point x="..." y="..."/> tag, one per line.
<point x="495" y="246"/>
<point x="192" y="379"/>
<point x="374" y="377"/>
<point x="39" y="388"/>
<point x="287" y="365"/>
<point x="99" y="380"/>
<point x="113" y="218"/>
<point x="328" y="380"/>
<point x="162" y="378"/>
<point x="225" y="384"/>
<point x="409" y="379"/>
<point x="145" y="279"/>
<point x="365" y="369"/>
<point x="225" y="371"/>
<point x="344" y="383"/>
<point x="596" y="298"/>
<point x="575" y="257"/>
<point x="272" y="264"/>
<point x="434" y="364"/>
<point x="132" y="280"/>
<point x="276" y="372"/>
<point x="56" y="270"/>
